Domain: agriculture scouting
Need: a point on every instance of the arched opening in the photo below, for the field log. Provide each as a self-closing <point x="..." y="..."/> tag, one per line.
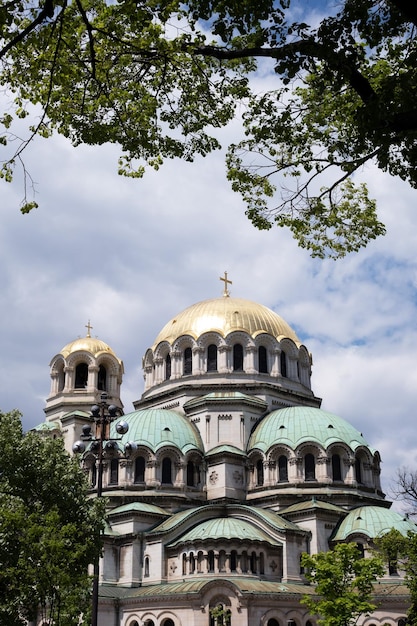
<point x="272" y="622"/>
<point x="283" y="469"/>
<point x="81" y="376"/>
<point x="192" y="563"/>
<point x="220" y="616"/>
<point x="188" y="361"/>
<point x="253" y="567"/>
<point x="168" y="367"/>
<point x="233" y="561"/>
<point x="102" y="378"/>
<point x="168" y="622"/>
<point x="210" y="560"/>
<point x="283" y="362"/>
<point x="61" y="378"/>
<point x="262" y="360"/>
<point x="262" y="563"/>
<point x="114" y="471"/>
<point x="259" y="473"/>
<point x="237" y="358"/>
<point x="146" y="566"/>
<point x="212" y="358"/>
<point x="358" y="470"/>
<point x="190" y="474"/>
<point x="166" y="471"/>
<point x="309" y="467"/>
<point x="140" y="469"/>
<point x="184" y="564"/>
<point x="336" y="467"/>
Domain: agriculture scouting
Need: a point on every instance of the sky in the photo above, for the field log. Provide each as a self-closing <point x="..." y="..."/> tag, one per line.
<point x="128" y="255"/>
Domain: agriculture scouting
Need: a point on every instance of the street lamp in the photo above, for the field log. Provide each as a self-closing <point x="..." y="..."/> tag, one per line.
<point x="103" y="415"/>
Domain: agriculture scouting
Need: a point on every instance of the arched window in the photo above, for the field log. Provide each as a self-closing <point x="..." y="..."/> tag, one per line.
<point x="309" y="467"/>
<point x="167" y="471"/>
<point x="262" y="563"/>
<point x="233" y="561"/>
<point x="149" y="622"/>
<point x="190" y="474"/>
<point x="61" y="379"/>
<point x="81" y="376"/>
<point x="134" y="623"/>
<point x="146" y="566"/>
<point x="262" y="360"/>
<point x="210" y="560"/>
<point x="212" y="358"/>
<point x="220" y="616"/>
<point x="283" y="361"/>
<point x="259" y="473"/>
<point x="168" y="622"/>
<point x="336" y="467"/>
<point x="361" y="549"/>
<point x="273" y="622"/>
<point x="167" y="367"/>
<point x="192" y="563"/>
<point x="184" y="564"/>
<point x="237" y="358"/>
<point x="114" y="471"/>
<point x="102" y="378"/>
<point x="140" y="469"/>
<point x="253" y="567"/>
<point x="358" y="470"/>
<point x="188" y="361"/>
<point x="283" y="469"/>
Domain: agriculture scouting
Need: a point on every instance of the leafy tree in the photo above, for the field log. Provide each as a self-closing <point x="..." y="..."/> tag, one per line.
<point x="343" y="583"/>
<point x="49" y="530"/>
<point x="398" y="549"/>
<point x="158" y="77"/>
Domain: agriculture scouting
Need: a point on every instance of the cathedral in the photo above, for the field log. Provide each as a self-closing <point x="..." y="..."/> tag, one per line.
<point x="229" y="471"/>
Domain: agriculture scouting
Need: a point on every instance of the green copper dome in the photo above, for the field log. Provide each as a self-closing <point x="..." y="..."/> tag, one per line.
<point x="296" y="425"/>
<point x="155" y="428"/>
<point x="225" y="528"/>
<point x="372" y="521"/>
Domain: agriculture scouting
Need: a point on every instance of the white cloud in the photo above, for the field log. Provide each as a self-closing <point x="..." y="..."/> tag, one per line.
<point x="130" y="254"/>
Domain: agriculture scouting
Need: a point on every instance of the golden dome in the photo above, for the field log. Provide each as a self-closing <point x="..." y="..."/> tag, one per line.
<point x="226" y="315"/>
<point x="87" y="344"/>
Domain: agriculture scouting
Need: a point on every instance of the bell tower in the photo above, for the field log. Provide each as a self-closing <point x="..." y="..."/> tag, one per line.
<point x="81" y="373"/>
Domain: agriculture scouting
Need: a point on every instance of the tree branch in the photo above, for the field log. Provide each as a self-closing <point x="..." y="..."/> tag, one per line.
<point x="308" y="49"/>
<point x="47" y="11"/>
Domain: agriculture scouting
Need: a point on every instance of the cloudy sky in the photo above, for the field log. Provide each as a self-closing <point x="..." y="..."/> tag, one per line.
<point x="130" y="254"/>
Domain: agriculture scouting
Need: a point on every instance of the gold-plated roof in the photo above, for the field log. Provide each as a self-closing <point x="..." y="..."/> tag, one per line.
<point x="226" y="315"/>
<point x="93" y="345"/>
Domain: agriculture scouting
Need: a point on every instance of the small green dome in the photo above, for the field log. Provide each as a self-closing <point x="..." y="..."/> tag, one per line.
<point x="372" y="521"/>
<point x="228" y="528"/>
<point x="293" y="426"/>
<point x="155" y="428"/>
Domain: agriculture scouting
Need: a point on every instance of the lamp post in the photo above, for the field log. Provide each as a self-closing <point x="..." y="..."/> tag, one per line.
<point x="103" y="415"/>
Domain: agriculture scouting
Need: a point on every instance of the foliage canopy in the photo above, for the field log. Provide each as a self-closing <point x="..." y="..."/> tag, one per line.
<point x="49" y="530"/>
<point x="159" y="77"/>
<point x="343" y="583"/>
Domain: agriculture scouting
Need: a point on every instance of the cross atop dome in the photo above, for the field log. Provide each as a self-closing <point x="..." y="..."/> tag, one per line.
<point x="89" y="328"/>
<point x="226" y="292"/>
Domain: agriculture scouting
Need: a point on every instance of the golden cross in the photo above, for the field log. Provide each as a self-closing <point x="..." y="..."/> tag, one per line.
<point x="226" y="292"/>
<point x="89" y="328"/>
